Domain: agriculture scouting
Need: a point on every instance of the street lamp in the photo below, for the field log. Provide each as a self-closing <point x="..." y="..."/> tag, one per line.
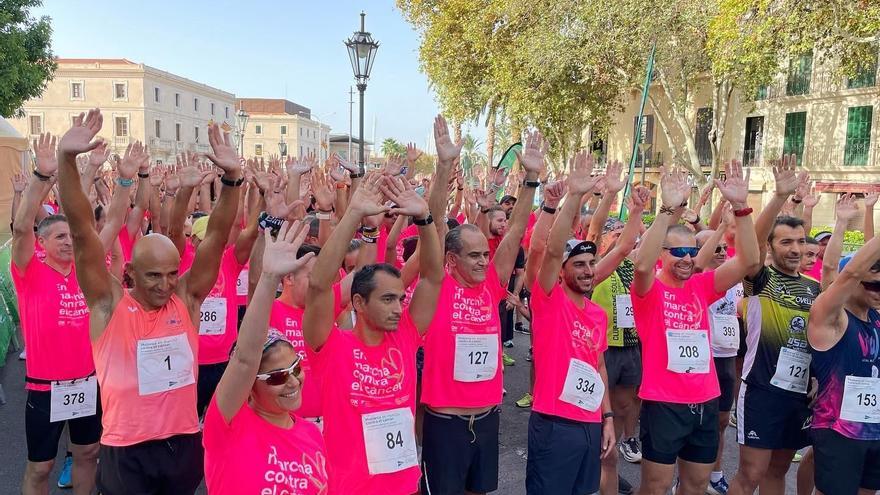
<point x="242" y="118"/>
<point x="282" y="147"/>
<point x="362" y="51"/>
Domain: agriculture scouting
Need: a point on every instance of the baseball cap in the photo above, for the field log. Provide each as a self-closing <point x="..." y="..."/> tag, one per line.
<point x="576" y="247"/>
<point x="822" y="236"/>
<point x="506" y="198"/>
<point x="200" y="227"/>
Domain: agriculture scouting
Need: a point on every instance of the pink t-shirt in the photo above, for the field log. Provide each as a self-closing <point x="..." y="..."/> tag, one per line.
<point x="468" y="317"/>
<point x="250" y="456"/>
<point x="241" y="285"/>
<point x="218" y="327"/>
<point x="666" y="308"/>
<point x="55" y="323"/>
<point x="126" y="242"/>
<point x="816" y="272"/>
<point x="287" y="319"/>
<point x="564" y="332"/>
<point x="361" y="380"/>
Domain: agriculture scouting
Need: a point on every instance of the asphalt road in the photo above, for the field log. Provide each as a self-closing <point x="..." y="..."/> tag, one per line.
<point x="513" y="431"/>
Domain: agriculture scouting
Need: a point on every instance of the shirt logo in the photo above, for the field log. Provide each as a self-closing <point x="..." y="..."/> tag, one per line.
<point x="753" y="436"/>
<point x="797" y="324"/>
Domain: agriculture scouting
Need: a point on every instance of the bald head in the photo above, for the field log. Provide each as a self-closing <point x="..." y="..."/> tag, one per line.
<point x="154" y="270"/>
<point x="153" y="250"/>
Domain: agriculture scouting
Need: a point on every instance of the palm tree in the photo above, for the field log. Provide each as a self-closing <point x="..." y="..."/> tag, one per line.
<point x="503" y="136"/>
<point x="471" y="156"/>
<point x="391" y="146"/>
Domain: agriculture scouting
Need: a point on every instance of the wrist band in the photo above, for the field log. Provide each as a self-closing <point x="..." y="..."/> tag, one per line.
<point x="44" y="178"/>
<point x="144" y="175"/>
<point x="369" y="240"/>
<point x="683" y="204"/>
<point x="695" y="221"/>
<point x="356" y="176"/>
<point x="796" y="201"/>
<point x="124" y="182"/>
<point x="609" y="414"/>
<point x="322" y="215"/>
<point x="230" y="182"/>
<point x="461" y="189"/>
<point x="341" y="185"/>
<point x="547" y="209"/>
<point x="743" y="213"/>
<point x="421" y="222"/>
<point x="531" y="183"/>
<point x="170" y="195"/>
<point x="597" y="193"/>
<point x="484" y="210"/>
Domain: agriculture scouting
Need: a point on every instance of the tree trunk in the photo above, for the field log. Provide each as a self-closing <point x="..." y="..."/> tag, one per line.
<point x="490" y="139"/>
<point x="457" y="130"/>
<point x="693" y="159"/>
<point x="721" y="94"/>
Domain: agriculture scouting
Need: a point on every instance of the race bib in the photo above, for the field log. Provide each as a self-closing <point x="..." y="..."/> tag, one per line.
<point x="792" y="370"/>
<point x="725" y="332"/>
<point x="212" y="320"/>
<point x="624" y="311"/>
<point x="860" y="399"/>
<point x="583" y="386"/>
<point x="389" y="437"/>
<point x="73" y="399"/>
<point x="241" y="283"/>
<point x="688" y="351"/>
<point x="164" y="364"/>
<point x="476" y="357"/>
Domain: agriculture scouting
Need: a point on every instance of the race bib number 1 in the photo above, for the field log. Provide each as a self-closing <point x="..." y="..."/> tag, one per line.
<point x="476" y="357"/>
<point x="389" y="437"/>
<point x="861" y="399"/>
<point x="792" y="370"/>
<point x="623" y="306"/>
<point x="73" y="399"/>
<point x="213" y="316"/>
<point x="687" y="351"/>
<point x="164" y="364"/>
<point x="583" y="386"/>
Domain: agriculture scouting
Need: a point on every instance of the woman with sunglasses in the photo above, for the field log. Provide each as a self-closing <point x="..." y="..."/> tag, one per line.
<point x="254" y="443"/>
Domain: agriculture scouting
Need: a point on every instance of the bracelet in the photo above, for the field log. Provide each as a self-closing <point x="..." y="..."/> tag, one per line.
<point x="609" y="414"/>
<point x="369" y="240"/>
<point x="695" y="221"/>
<point x="421" y="222"/>
<point x="145" y="175"/>
<point x="370" y="230"/>
<point x="796" y="201"/>
<point x="531" y="183"/>
<point x="547" y="209"/>
<point x="743" y="213"/>
<point x="44" y="178"/>
<point x="683" y="204"/>
<point x="461" y="189"/>
<point x="597" y="193"/>
<point x="322" y="215"/>
<point x="667" y="210"/>
<point x="484" y="210"/>
<point x="230" y="182"/>
<point x="341" y="185"/>
<point x="356" y="176"/>
<point x="124" y="182"/>
<point x="170" y="195"/>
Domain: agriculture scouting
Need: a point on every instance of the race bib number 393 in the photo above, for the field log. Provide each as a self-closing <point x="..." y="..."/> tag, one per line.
<point x="389" y="438"/>
<point x="725" y="331"/>
<point x="164" y="364"/>
<point x="73" y="399"/>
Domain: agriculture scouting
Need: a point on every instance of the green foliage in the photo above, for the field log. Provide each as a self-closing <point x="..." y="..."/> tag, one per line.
<point x="26" y="60"/>
<point x="851" y="238"/>
<point x="391" y="146"/>
<point x="648" y="219"/>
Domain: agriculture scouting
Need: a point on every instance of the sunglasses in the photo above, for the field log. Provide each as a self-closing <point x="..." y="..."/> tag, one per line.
<point x="871" y="286"/>
<point x="721" y="248"/>
<point x="681" y="252"/>
<point x="279" y="377"/>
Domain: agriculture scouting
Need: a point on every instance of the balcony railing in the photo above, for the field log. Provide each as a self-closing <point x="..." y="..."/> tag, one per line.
<point x="837" y="157"/>
<point x="819" y="82"/>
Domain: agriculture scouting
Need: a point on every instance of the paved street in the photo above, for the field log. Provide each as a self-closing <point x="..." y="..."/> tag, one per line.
<point x="513" y="430"/>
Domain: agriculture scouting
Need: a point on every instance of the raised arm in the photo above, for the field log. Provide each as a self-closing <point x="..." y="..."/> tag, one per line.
<point x="786" y="184"/>
<point x="674" y="191"/>
<point x="318" y="316"/>
<point x="828" y="319"/>
<point x="134" y="222"/>
<point x="135" y="157"/>
<point x="279" y="259"/>
<point x="707" y="250"/>
<point x="553" y="194"/>
<point x="532" y="161"/>
<point x="38" y="187"/>
<point x="248" y="237"/>
<point x="199" y="280"/>
<point x="870" y="201"/>
<point x="187" y="178"/>
<point x="846" y="211"/>
<point x="627" y="240"/>
<point x="447" y="153"/>
<point x="735" y="190"/>
<point x="100" y="289"/>
<point x="613" y="185"/>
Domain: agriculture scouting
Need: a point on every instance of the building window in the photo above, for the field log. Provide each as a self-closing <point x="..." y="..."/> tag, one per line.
<point x="76" y="90"/>
<point x="799" y="71"/>
<point x="258" y="129"/>
<point x="121" y="127"/>
<point x="300" y="132"/>
<point x="258" y="149"/>
<point x="197" y="133"/>
<point x="36" y="124"/>
<point x="283" y="130"/>
<point x="156" y="95"/>
<point x="795" y="129"/>
<point x="754" y="138"/>
<point x="858" y="136"/>
<point x="227" y="112"/>
<point x="701" y="136"/>
<point x="212" y="108"/>
<point x="120" y="91"/>
<point x="866" y="77"/>
<point x="761" y="93"/>
<point x="301" y="150"/>
<point x="177" y="132"/>
<point x="177" y="100"/>
<point x="644" y="135"/>
<point x="158" y="128"/>
<point x="196" y="104"/>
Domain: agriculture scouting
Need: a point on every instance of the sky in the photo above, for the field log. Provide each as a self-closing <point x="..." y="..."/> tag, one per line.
<point x="263" y="49"/>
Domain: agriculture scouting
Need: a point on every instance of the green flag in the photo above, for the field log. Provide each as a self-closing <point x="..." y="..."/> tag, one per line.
<point x="508" y="158"/>
<point x="8" y="312"/>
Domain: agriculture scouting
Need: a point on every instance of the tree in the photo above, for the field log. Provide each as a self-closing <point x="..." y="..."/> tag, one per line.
<point x="26" y="60"/>
<point x="471" y="156"/>
<point x="391" y="146"/>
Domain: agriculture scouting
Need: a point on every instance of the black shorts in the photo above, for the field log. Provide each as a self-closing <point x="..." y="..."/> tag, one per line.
<point x="172" y="466"/>
<point x="726" y="370"/>
<point x="743" y="345"/>
<point x="843" y="465"/>
<point x="771" y="420"/>
<point x="564" y="456"/>
<point x="685" y="431"/>
<point x="241" y="311"/>
<point x="460" y="453"/>
<point x="43" y="436"/>
<point x="624" y="366"/>
<point x="209" y="377"/>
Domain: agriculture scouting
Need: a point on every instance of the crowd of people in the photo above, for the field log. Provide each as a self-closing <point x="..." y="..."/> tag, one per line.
<point x="303" y="328"/>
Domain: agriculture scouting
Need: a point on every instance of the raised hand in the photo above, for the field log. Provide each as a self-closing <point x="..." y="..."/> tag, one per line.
<point x="135" y="158"/>
<point x="613" y="182"/>
<point x="735" y="187"/>
<point x="347" y="165"/>
<point x="639" y="199"/>
<point x="870" y="198"/>
<point x="191" y="176"/>
<point x="674" y="188"/>
<point x="485" y="200"/>
<point x="553" y="193"/>
<point x="847" y="209"/>
<point x="44" y="150"/>
<point x="322" y="191"/>
<point x="99" y="155"/>
<point x="784" y="174"/>
<point x="499" y="176"/>
<point x="19" y="183"/>
<point x="338" y="174"/>
<point x="412" y="154"/>
<point x="157" y="174"/>
<point x="581" y="179"/>
<point x="78" y="139"/>
<point x="223" y="152"/>
<point x="405" y="197"/>
<point x="447" y="151"/>
<point x="393" y="165"/>
<point x="367" y="199"/>
<point x="803" y="187"/>
<point x="279" y="255"/>
<point x="707" y="193"/>
<point x="532" y="157"/>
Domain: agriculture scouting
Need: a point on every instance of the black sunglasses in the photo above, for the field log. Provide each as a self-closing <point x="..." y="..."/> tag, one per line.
<point x="720" y="248"/>
<point x="279" y="377"/>
<point x="871" y="286"/>
<point x="681" y="252"/>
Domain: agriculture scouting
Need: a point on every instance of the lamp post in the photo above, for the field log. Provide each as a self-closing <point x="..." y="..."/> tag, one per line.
<point x="282" y="148"/>
<point x="362" y="50"/>
<point x="242" y="119"/>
